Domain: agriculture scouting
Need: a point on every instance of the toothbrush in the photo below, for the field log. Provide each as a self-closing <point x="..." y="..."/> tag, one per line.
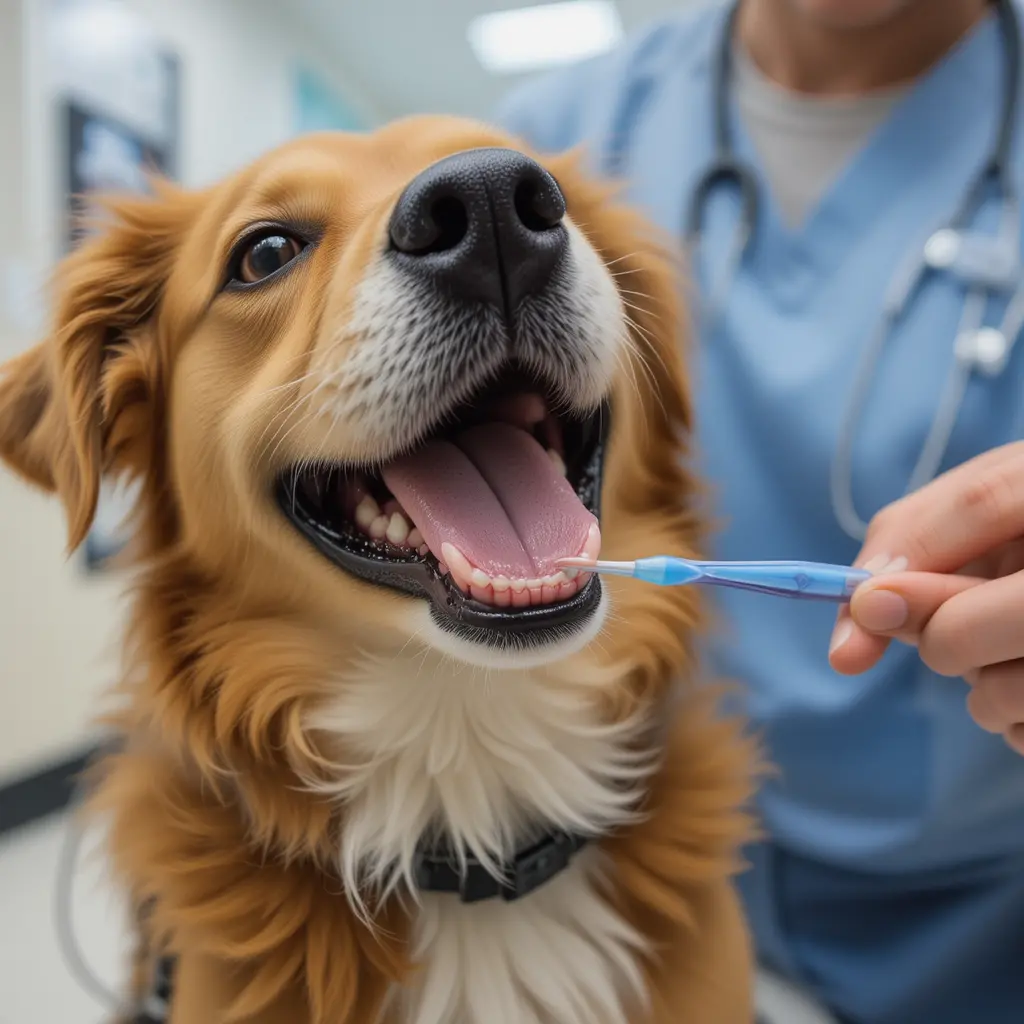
<point x="807" y="581"/>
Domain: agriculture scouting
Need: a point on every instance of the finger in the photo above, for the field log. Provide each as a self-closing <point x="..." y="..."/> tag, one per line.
<point x="853" y="650"/>
<point x="978" y="627"/>
<point x="903" y="604"/>
<point x="982" y="712"/>
<point x="1001" y="561"/>
<point x="996" y="701"/>
<point x="882" y="528"/>
<point x="959" y="516"/>
<point x="1015" y="738"/>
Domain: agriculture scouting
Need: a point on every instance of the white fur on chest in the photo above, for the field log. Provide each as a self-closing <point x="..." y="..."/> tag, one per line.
<point x="427" y="741"/>
<point x="560" y="956"/>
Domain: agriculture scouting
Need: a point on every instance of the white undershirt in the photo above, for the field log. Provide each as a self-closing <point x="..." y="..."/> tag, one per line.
<point x="803" y="142"/>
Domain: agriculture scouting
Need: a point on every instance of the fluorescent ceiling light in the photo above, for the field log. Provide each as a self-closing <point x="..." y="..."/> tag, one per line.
<point x="530" y="38"/>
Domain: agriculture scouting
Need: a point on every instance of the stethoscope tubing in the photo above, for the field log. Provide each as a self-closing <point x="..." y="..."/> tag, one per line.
<point x="727" y="167"/>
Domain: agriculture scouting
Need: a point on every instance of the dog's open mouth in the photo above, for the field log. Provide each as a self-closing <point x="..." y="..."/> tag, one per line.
<point x="476" y="517"/>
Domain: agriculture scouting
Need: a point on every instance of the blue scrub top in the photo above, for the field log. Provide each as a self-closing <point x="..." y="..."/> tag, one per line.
<point x="894" y="882"/>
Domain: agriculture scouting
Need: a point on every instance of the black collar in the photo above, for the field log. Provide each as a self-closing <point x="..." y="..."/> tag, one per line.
<point x="438" y="870"/>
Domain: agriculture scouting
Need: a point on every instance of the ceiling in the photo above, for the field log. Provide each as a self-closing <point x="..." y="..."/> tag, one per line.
<point x="411" y="56"/>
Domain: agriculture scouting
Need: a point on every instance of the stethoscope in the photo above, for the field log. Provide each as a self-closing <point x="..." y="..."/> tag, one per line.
<point x="987" y="265"/>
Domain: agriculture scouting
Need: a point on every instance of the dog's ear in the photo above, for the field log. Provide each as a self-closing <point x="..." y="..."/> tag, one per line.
<point x="81" y="403"/>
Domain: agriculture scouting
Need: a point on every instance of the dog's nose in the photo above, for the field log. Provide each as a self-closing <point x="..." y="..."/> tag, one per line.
<point x="483" y="225"/>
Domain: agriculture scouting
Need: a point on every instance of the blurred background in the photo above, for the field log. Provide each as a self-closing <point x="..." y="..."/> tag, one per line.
<point x="92" y="92"/>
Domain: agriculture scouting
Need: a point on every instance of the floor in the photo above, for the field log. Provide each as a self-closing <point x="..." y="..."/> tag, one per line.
<point x="37" y="985"/>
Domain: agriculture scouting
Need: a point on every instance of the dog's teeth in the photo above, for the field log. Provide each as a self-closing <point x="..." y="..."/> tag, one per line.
<point x="424" y="551"/>
<point x="366" y="512"/>
<point x="504" y="592"/>
<point x="379" y="528"/>
<point x="415" y="538"/>
<point x="592" y="548"/>
<point x="458" y="565"/>
<point x="557" y="461"/>
<point x="398" y="529"/>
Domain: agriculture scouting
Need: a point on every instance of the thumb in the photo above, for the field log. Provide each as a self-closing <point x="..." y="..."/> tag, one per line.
<point x="902" y="605"/>
<point x="897" y="606"/>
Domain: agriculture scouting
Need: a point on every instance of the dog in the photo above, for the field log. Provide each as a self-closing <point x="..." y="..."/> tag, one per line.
<point x="383" y="759"/>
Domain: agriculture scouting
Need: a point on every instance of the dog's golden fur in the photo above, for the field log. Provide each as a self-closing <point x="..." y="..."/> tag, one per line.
<point x="239" y="628"/>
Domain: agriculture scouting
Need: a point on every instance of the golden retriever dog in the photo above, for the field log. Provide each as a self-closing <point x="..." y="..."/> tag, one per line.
<point x="383" y="759"/>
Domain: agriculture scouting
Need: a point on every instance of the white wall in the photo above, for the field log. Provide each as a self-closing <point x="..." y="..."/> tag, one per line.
<point x="59" y="627"/>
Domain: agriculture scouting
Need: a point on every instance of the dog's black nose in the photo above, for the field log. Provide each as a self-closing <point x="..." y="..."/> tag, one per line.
<point x="482" y="225"/>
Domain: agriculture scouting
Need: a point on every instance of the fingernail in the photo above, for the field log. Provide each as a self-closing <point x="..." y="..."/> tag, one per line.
<point x="881" y="611"/>
<point x="896" y="565"/>
<point x="885" y="563"/>
<point x="842" y="633"/>
<point x="878" y="563"/>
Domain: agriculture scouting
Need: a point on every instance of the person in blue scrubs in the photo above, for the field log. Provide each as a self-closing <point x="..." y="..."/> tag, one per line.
<point x="892" y="885"/>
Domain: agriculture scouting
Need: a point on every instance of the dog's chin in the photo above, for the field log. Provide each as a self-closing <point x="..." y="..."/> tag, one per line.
<point x="482" y="651"/>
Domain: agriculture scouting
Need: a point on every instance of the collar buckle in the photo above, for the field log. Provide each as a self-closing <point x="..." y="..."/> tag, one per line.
<point x="437" y="870"/>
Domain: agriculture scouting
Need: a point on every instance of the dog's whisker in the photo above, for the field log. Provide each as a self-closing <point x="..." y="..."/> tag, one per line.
<point x="297" y="407"/>
<point x="641" y="358"/>
<point x="281" y="416"/>
<point x="303" y="396"/>
<point x="621" y="259"/>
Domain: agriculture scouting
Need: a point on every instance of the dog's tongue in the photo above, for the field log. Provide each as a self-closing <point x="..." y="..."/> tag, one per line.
<point x="495" y="495"/>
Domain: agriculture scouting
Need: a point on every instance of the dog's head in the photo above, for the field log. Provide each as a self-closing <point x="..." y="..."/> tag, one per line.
<point x="377" y="383"/>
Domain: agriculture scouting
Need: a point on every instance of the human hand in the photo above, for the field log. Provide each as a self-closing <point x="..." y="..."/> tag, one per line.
<point x="955" y="588"/>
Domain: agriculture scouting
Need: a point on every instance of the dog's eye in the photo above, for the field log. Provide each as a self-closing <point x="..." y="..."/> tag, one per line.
<point x="265" y="256"/>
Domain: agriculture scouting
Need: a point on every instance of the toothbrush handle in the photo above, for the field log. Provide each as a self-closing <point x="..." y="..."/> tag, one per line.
<point x="807" y="581"/>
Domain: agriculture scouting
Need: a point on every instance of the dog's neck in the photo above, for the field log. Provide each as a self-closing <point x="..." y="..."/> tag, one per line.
<point x="488" y="757"/>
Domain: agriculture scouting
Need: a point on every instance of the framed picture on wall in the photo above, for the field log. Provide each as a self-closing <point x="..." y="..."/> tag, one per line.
<point x="104" y="157"/>
<point x="118" y="97"/>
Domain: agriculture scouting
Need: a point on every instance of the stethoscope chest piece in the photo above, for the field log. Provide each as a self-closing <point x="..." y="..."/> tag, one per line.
<point x="979" y="260"/>
<point x="985" y="350"/>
